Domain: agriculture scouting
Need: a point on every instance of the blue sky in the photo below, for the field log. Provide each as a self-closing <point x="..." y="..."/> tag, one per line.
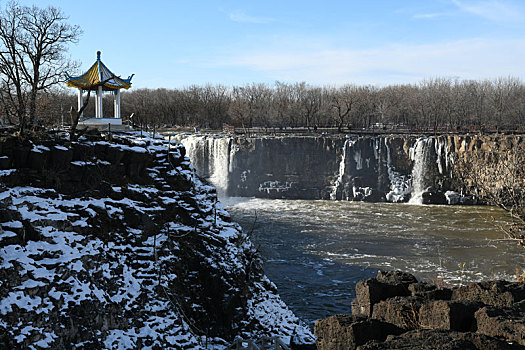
<point x="176" y="44"/>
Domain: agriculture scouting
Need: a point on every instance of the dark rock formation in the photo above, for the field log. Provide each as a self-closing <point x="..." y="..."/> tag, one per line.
<point x="344" y="332"/>
<point x="119" y="245"/>
<point x="495" y="293"/>
<point x="385" y="285"/>
<point x="400" y="311"/>
<point x="439" y="340"/>
<point x="507" y="323"/>
<point x="446" y="314"/>
<point x="484" y="315"/>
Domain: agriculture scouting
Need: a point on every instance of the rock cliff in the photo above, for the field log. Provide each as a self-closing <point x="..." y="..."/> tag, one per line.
<point x="394" y="168"/>
<point x="118" y="244"/>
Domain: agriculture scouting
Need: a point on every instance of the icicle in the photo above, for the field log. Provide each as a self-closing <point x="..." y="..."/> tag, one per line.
<point x="399" y="184"/>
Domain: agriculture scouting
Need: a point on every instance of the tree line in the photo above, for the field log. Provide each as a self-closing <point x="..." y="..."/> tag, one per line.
<point x="434" y="104"/>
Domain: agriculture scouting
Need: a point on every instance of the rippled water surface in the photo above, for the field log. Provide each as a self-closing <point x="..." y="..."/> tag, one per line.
<point x="316" y="251"/>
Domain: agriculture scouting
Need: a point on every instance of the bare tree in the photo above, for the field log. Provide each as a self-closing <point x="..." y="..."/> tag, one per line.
<point x="498" y="177"/>
<point x="342" y="101"/>
<point x="33" y="42"/>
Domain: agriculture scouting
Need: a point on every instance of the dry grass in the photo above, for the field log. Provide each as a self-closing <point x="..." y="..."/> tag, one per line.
<point x="520" y="275"/>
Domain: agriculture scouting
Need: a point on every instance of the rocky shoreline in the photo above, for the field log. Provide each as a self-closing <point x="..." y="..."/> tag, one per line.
<point x="396" y="311"/>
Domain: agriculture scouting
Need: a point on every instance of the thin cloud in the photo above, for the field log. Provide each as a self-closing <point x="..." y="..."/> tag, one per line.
<point x="242" y="17"/>
<point x="466" y="59"/>
<point x="499" y="11"/>
<point x="428" y="15"/>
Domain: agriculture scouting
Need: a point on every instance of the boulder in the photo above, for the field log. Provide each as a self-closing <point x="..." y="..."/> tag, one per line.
<point x="385" y="285"/>
<point x="451" y="315"/>
<point x="506" y="323"/>
<point x="346" y="332"/>
<point x="400" y="311"/>
<point x="439" y="339"/>
<point x="429" y="291"/>
<point x="432" y="197"/>
<point x="494" y="293"/>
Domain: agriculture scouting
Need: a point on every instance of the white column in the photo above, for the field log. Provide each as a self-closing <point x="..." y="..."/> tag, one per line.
<point x="80" y="100"/>
<point x="117" y="103"/>
<point x="100" y="113"/>
<point x="97" y="113"/>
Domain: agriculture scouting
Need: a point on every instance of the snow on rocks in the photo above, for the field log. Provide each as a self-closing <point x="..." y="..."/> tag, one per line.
<point x="122" y="246"/>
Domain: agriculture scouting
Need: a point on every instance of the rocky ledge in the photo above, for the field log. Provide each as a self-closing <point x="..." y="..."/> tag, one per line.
<point x="395" y="311"/>
<point x="117" y="244"/>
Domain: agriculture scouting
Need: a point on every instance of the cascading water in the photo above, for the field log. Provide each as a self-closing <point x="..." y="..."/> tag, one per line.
<point x="221" y="163"/>
<point x="212" y="158"/>
<point x="422" y="153"/>
<point x="360" y="169"/>
<point x="342" y="166"/>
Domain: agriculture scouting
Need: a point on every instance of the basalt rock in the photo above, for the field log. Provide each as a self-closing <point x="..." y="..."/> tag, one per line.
<point x="483" y="315"/>
<point x="400" y="311"/>
<point x="451" y="315"/>
<point x="495" y="293"/>
<point x="439" y="340"/>
<point x="507" y="323"/>
<point x="342" y="332"/>
<point x="385" y="285"/>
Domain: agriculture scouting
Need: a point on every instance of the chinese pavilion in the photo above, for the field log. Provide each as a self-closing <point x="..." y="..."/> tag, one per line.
<point x="99" y="78"/>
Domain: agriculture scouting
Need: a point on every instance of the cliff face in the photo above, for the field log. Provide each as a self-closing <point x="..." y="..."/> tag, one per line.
<point x="394" y="168"/>
<point x="120" y="245"/>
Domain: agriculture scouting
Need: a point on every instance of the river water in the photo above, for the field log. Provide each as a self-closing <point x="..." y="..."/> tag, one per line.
<point x="316" y="251"/>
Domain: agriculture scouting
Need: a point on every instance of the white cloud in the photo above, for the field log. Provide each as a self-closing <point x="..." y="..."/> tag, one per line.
<point x="242" y="17"/>
<point x="500" y="11"/>
<point x="466" y="59"/>
<point x="428" y="15"/>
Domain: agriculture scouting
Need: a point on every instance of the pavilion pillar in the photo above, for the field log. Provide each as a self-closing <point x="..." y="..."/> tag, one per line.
<point x="117" y="103"/>
<point x="99" y="113"/>
<point x="96" y="106"/>
<point x="80" y="100"/>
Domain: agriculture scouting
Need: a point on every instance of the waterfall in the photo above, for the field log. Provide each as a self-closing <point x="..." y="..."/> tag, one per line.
<point x="421" y="153"/>
<point x="338" y="185"/>
<point x="220" y="163"/>
<point x="366" y="168"/>
<point x="211" y="157"/>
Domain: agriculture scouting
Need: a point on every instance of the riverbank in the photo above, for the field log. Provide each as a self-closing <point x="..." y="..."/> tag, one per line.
<point x="396" y="311"/>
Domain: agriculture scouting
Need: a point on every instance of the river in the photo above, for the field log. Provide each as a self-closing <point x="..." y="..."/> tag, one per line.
<point x="316" y="251"/>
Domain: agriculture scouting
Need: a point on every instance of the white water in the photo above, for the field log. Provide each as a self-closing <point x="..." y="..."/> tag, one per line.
<point x="213" y="157"/>
<point x="419" y="154"/>
<point x="342" y="167"/>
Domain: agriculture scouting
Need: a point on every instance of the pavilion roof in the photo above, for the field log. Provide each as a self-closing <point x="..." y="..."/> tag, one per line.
<point x="98" y="75"/>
